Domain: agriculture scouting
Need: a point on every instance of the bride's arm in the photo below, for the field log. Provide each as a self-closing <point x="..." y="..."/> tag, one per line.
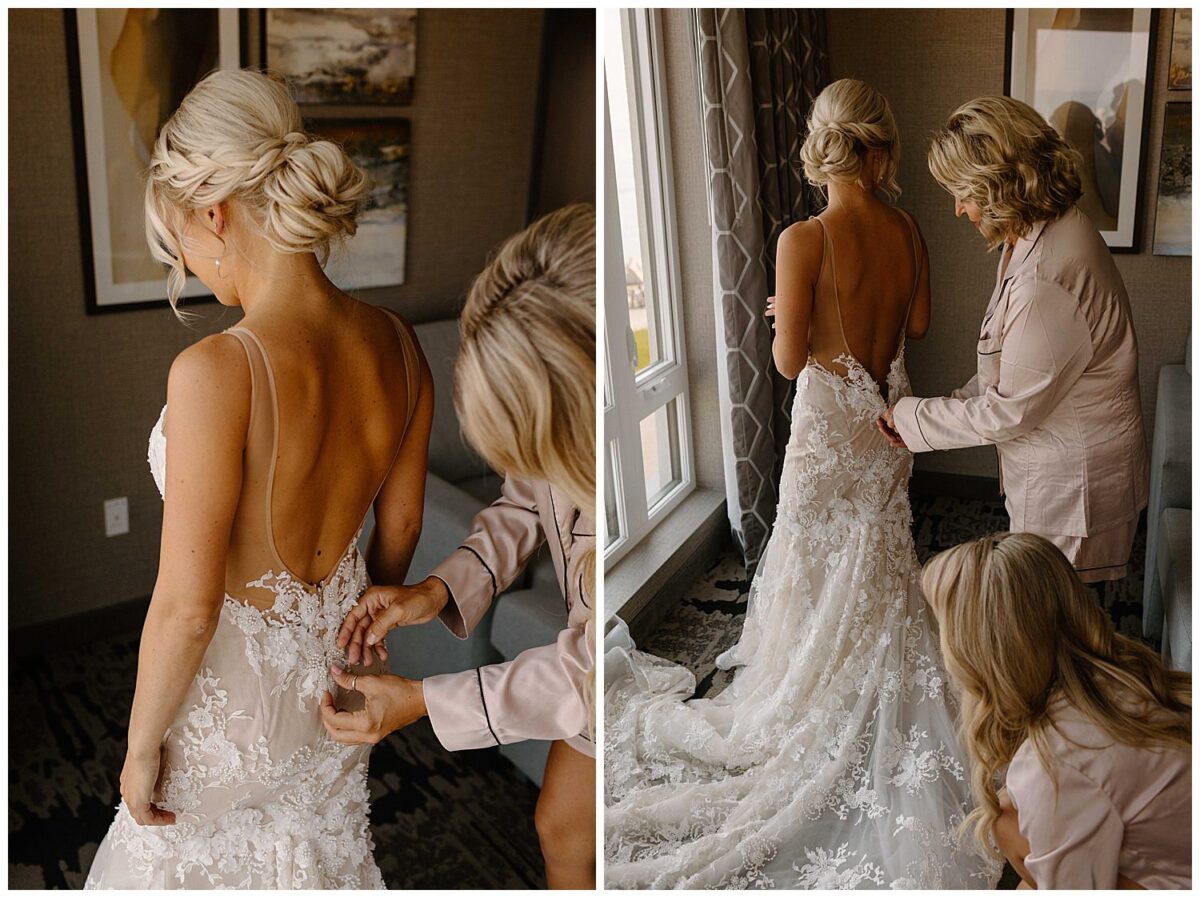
<point x="208" y="406"/>
<point x="797" y="266"/>
<point x="401" y="502"/>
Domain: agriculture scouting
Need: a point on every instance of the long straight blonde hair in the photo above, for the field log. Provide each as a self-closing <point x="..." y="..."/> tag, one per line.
<point x="1018" y="630"/>
<point x="525" y="378"/>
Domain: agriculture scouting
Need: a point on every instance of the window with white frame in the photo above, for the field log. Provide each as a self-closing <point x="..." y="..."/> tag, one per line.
<point x="648" y="466"/>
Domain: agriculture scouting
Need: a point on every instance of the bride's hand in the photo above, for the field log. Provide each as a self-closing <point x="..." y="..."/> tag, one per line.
<point x="887" y="426"/>
<point x="770" y="313"/>
<point x="138" y="778"/>
<point x="390" y="703"/>
<point x="383" y="608"/>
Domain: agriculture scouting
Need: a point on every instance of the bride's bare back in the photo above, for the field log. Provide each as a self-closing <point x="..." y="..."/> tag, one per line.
<point x="853" y="280"/>
<point x="331" y="404"/>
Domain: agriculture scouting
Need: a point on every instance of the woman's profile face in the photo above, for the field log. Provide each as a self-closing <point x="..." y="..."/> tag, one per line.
<point x="969" y="209"/>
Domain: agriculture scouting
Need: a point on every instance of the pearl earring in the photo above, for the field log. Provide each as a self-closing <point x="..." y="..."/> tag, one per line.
<point x="218" y="262"/>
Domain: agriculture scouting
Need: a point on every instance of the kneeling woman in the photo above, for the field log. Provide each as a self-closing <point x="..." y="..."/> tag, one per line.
<point x="1094" y="731"/>
<point x="524" y="388"/>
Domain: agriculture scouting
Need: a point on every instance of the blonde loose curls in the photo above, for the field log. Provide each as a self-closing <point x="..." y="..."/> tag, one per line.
<point x="525" y="381"/>
<point x="1019" y="629"/>
<point x="1000" y="154"/>
<point x="239" y="135"/>
<point x="849" y="119"/>
<point x="525" y="377"/>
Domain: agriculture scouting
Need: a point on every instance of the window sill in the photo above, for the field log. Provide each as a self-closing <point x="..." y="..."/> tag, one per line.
<point x="694" y="532"/>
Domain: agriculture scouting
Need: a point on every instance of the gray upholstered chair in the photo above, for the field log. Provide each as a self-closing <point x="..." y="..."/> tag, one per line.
<point x="1174" y="573"/>
<point x="1166" y="598"/>
<point x="459" y="484"/>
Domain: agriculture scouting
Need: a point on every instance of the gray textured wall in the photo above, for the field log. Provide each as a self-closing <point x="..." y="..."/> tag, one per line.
<point x="927" y="62"/>
<point x="84" y="391"/>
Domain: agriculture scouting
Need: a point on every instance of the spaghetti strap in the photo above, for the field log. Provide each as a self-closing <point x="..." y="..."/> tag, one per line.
<point x="238" y="333"/>
<point x="411" y="374"/>
<point x="270" y="490"/>
<point x="826" y="237"/>
<point x="918" y="265"/>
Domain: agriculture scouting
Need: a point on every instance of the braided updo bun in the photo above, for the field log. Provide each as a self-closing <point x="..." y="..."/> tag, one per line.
<point x="239" y="135"/>
<point x="848" y="119"/>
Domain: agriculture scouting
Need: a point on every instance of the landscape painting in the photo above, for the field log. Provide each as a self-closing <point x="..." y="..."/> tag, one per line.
<point x="373" y="257"/>
<point x="350" y="57"/>
<point x="1173" y="218"/>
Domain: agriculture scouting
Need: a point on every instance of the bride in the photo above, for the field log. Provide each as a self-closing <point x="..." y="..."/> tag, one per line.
<point x="830" y="760"/>
<point x="277" y="437"/>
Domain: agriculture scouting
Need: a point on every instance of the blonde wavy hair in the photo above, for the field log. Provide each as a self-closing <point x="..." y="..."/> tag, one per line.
<point x="849" y="119"/>
<point x="238" y="135"/>
<point x="525" y="378"/>
<point x="1018" y="630"/>
<point x="1000" y="154"/>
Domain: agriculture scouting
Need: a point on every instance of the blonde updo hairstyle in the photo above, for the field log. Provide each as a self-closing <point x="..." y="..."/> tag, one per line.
<point x="848" y="120"/>
<point x="1000" y="154"/>
<point x="238" y="135"/>
<point x="525" y="377"/>
<point x="1018" y="629"/>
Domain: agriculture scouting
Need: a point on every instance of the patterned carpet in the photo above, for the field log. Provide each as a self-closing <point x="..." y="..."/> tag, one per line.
<point x="709" y="617"/>
<point x="440" y="819"/>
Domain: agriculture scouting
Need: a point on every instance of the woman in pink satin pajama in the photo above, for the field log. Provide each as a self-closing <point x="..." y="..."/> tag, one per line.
<point x="525" y="396"/>
<point x="1056" y="383"/>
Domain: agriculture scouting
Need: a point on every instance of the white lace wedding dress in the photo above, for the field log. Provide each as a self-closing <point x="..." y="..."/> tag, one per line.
<point x="830" y="760"/>
<point x="263" y="797"/>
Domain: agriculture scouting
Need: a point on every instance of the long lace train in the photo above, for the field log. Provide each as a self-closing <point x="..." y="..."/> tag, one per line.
<point x="830" y="760"/>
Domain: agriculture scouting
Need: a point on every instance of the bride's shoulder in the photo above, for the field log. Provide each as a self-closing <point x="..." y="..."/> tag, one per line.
<point x="802" y="238"/>
<point x="211" y="372"/>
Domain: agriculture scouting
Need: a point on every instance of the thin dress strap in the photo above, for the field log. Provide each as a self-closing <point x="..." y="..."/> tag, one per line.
<point x="917" y="266"/>
<point x="826" y="237"/>
<point x="413" y="381"/>
<point x="411" y="374"/>
<point x="270" y="490"/>
<point x="239" y="334"/>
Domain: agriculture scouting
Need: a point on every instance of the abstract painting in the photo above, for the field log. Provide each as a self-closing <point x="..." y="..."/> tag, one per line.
<point x="1087" y="72"/>
<point x="130" y="68"/>
<point x="374" y="256"/>
<point x="352" y="57"/>
<point x="1173" y="216"/>
<point x="1180" y="75"/>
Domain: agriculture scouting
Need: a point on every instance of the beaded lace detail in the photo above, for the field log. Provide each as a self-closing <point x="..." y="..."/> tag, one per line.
<point x="830" y="760"/>
<point x="263" y="797"/>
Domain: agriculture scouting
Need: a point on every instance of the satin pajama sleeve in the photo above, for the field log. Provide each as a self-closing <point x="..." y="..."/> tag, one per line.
<point x="967" y="390"/>
<point x="540" y="694"/>
<point x="1074" y="842"/>
<point x="503" y="537"/>
<point x="1046" y="344"/>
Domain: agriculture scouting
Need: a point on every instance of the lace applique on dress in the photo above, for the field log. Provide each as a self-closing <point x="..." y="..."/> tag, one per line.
<point x="263" y="797"/>
<point x="836" y="736"/>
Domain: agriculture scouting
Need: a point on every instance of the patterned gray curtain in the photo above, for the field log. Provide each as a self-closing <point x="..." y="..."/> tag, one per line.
<point x="759" y="72"/>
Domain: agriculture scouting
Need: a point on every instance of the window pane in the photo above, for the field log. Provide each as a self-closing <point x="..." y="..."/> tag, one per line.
<point x="645" y="344"/>
<point x="612" y="522"/>
<point x="660" y="452"/>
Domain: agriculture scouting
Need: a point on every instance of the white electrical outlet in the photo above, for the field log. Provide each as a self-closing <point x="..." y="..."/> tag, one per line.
<point x="116" y="516"/>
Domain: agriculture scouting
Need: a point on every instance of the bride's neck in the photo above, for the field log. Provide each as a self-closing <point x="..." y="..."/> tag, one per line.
<point x="268" y="279"/>
<point x="850" y="196"/>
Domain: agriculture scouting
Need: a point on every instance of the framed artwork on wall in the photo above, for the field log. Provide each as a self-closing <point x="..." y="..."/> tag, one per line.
<point x="344" y="57"/>
<point x="1180" y="75"/>
<point x="1087" y="71"/>
<point x="1173" y="213"/>
<point x="374" y="256"/>
<point x="128" y="71"/>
